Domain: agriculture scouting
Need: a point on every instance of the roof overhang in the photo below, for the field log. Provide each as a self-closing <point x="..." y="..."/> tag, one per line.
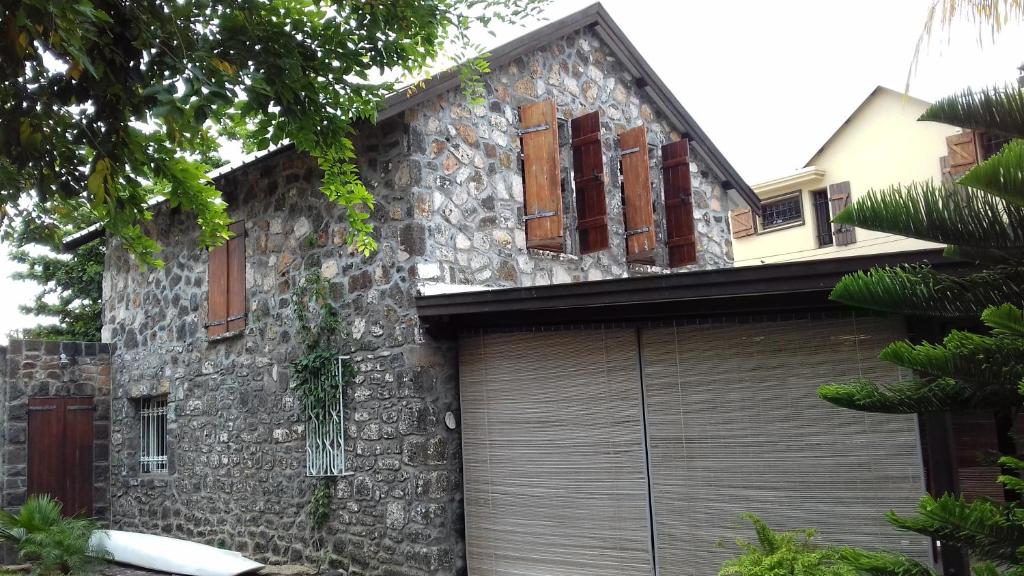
<point x="804" y="177"/>
<point x="770" y="289"/>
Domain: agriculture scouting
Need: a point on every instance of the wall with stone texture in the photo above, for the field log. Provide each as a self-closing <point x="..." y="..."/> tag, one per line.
<point x="449" y="208"/>
<point x="34" y="368"/>
<point x="464" y="167"/>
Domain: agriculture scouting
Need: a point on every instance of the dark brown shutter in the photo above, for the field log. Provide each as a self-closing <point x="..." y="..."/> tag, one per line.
<point x="541" y="176"/>
<point x="742" y="222"/>
<point x="588" y="176"/>
<point x="60" y="441"/>
<point x="217" y="291"/>
<point x="675" y="165"/>
<point x="636" y="195"/>
<point x="236" y="278"/>
<point x="962" y="152"/>
<point x="976" y="446"/>
<point x="839" y="197"/>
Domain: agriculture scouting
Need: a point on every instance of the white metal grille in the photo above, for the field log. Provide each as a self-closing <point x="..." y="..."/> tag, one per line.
<point x="153" y="434"/>
<point x="325" y="436"/>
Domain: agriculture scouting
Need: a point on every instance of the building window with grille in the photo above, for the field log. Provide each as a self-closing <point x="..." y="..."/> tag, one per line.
<point x="822" y="217"/>
<point x="153" y="435"/>
<point x="782" y="212"/>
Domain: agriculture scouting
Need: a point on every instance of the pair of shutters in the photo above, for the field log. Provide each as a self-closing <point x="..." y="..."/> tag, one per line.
<point x="543" y="195"/>
<point x="226" y="307"/>
<point x="742" y="221"/>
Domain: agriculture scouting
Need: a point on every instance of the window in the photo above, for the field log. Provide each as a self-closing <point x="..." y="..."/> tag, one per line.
<point x="153" y="434"/>
<point x="990" y="144"/>
<point x="822" y="217"/>
<point x="782" y="211"/>
<point x="226" y="285"/>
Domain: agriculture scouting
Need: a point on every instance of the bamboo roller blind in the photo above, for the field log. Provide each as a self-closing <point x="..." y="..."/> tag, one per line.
<point x="553" y="452"/>
<point x="735" y="425"/>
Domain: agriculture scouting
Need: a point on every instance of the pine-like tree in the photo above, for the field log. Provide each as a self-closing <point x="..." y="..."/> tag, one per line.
<point x="981" y="218"/>
<point x="71" y="289"/>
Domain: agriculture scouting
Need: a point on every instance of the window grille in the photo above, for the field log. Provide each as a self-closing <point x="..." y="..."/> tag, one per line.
<point x="325" y="435"/>
<point x="153" y="434"/>
<point x="780" y="212"/>
<point x="822" y="218"/>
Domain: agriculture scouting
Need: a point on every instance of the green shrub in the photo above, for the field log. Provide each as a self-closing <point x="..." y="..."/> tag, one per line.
<point x="51" y="543"/>
<point x="784" y="554"/>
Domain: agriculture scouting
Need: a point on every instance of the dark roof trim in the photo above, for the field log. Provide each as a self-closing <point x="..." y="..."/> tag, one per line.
<point x="797" y="286"/>
<point x="596" y="16"/>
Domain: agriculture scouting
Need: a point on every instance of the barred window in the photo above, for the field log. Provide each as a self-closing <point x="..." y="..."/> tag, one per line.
<point x="153" y="434"/>
<point x="783" y="211"/>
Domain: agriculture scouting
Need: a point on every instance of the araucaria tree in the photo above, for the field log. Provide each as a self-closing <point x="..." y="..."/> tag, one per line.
<point x="71" y="289"/>
<point x="981" y="219"/>
<point x="106" y="105"/>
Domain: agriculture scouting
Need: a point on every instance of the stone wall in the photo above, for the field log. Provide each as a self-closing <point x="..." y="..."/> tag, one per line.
<point x="449" y="208"/>
<point x="34" y="368"/>
<point x="464" y="169"/>
<point x="237" y="475"/>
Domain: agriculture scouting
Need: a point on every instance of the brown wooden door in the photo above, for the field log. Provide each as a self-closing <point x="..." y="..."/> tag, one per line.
<point x="60" y="439"/>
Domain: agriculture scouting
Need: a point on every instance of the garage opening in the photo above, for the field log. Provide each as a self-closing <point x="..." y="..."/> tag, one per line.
<point x="633" y="450"/>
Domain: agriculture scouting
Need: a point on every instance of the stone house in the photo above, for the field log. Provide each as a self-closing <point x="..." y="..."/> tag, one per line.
<point x="528" y="364"/>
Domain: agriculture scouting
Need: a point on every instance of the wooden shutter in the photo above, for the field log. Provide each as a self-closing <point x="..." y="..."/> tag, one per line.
<point x="554" y="477"/>
<point x="226" y="303"/>
<point x="588" y="176"/>
<point x="722" y="393"/>
<point x="60" y="441"/>
<point x="636" y="195"/>
<point x="542" y="187"/>
<point x="217" y="291"/>
<point x="742" y="222"/>
<point x="839" y="197"/>
<point x="962" y="152"/>
<point x="675" y="165"/>
<point x="236" y="278"/>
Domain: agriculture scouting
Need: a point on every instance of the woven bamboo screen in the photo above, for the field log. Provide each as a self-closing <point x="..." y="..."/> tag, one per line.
<point x="735" y="425"/>
<point x="553" y="449"/>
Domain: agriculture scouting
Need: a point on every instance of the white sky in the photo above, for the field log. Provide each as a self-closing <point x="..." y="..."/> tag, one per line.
<point x="768" y="81"/>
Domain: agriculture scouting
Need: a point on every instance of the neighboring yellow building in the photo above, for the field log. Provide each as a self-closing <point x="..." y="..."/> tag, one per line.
<point x="880" y="144"/>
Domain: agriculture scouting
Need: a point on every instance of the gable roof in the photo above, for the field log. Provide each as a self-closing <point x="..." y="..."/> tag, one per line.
<point x="878" y="91"/>
<point x="598" y="19"/>
<point x="594" y="17"/>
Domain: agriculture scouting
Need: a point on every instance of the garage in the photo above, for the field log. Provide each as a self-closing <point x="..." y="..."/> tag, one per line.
<point x="627" y="437"/>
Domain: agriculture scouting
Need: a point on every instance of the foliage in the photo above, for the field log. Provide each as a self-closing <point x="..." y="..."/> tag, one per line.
<point x="784" y="554"/>
<point x="106" y="107"/>
<point x="77" y="283"/>
<point x="982" y="215"/>
<point x="314" y="374"/>
<point x="319" y="509"/>
<point x="52" y="543"/>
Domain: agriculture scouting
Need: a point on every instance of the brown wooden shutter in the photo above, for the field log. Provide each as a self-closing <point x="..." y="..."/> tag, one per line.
<point x="236" y="278"/>
<point x="675" y="165"/>
<point x="542" y="187"/>
<point x="636" y="195"/>
<point x="839" y="197"/>
<point x="962" y="152"/>
<point x="217" y="291"/>
<point x="588" y="176"/>
<point x="742" y="222"/>
<point x="226" y="304"/>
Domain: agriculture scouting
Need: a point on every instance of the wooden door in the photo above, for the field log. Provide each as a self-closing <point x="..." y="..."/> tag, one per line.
<point x="60" y="439"/>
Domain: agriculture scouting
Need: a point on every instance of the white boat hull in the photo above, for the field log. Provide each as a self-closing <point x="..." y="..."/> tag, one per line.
<point x="170" y="554"/>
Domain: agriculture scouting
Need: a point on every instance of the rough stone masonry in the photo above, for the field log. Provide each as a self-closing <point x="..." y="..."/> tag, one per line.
<point x="449" y="209"/>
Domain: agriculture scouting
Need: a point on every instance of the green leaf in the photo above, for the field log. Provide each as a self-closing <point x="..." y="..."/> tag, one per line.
<point x="99" y="181"/>
<point x="1007" y="320"/>
<point x="996" y="109"/>
<point x="916" y="396"/>
<point x="939" y="213"/>
<point x="1001" y="175"/>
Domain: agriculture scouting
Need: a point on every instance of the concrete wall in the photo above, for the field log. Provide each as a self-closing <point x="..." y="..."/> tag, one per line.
<point x="446" y="179"/>
<point x="881" y="145"/>
<point x="34" y="368"/>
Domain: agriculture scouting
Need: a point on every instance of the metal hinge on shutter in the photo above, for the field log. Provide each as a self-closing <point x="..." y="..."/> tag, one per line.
<point x="523" y="131"/>
<point x="222" y="322"/>
<point x="529" y="217"/>
<point x="632" y="150"/>
<point x="643" y="230"/>
<point x="46" y="408"/>
<point x="90" y="408"/>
